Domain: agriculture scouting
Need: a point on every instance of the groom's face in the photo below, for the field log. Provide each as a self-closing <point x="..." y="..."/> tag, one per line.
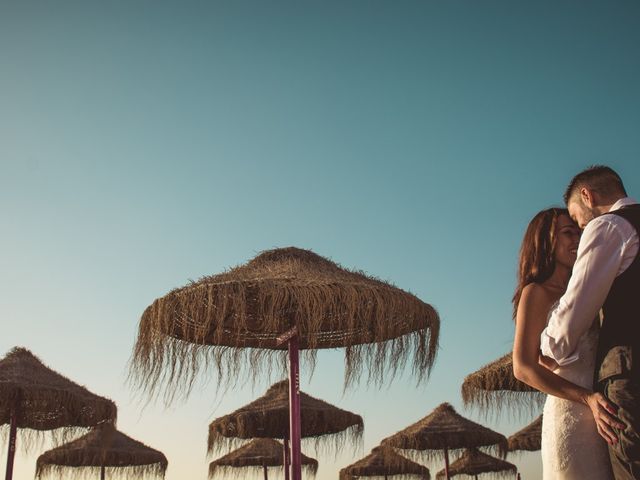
<point x="580" y="212"/>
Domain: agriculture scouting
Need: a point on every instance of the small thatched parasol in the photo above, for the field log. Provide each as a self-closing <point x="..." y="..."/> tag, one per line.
<point x="384" y="462"/>
<point x="529" y="438"/>
<point x="34" y="397"/>
<point x="473" y="462"/>
<point x="445" y="430"/>
<point x="284" y="299"/>
<point x="102" y="450"/>
<point x="268" y="417"/>
<point x="259" y="454"/>
<point x="494" y="385"/>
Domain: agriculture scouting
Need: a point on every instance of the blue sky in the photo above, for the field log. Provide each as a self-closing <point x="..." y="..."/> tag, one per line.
<point x="143" y="144"/>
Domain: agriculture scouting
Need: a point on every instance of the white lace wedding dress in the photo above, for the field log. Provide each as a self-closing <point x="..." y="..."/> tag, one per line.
<point x="572" y="449"/>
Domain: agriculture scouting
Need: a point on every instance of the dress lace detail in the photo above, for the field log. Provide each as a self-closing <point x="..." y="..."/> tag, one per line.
<point x="572" y="449"/>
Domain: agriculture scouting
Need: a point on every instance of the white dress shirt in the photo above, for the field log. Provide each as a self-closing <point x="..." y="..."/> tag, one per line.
<point x="609" y="244"/>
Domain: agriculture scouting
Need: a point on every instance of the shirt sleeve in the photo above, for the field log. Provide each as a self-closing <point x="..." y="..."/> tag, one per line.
<point x="597" y="265"/>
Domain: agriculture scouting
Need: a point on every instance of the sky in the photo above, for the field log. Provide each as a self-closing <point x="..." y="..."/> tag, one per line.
<point x="144" y="144"/>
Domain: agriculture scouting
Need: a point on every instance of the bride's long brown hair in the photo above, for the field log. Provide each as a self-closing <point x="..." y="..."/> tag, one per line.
<point x="537" y="253"/>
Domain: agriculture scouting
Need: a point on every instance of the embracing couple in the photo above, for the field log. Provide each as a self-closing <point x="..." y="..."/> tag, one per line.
<point x="577" y="311"/>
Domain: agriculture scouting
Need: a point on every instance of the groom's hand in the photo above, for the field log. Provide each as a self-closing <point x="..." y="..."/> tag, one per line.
<point x="604" y="413"/>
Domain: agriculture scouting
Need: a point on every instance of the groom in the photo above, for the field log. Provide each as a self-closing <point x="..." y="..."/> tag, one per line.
<point x="606" y="278"/>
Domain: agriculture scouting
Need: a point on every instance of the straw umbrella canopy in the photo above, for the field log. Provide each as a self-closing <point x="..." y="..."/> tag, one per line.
<point x="494" y="385"/>
<point x="268" y="417"/>
<point x="260" y="454"/>
<point x="104" y="451"/>
<point x="474" y="463"/>
<point x="445" y="430"/>
<point x="529" y="438"/>
<point x="34" y="397"/>
<point x="237" y="318"/>
<point x="384" y="462"/>
<point x="242" y="321"/>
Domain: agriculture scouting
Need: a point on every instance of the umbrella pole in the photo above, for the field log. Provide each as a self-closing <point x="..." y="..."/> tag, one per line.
<point x="446" y="463"/>
<point x="13" y="430"/>
<point x="102" y="472"/>
<point x="264" y="469"/>
<point x="294" y="407"/>
<point x="285" y="457"/>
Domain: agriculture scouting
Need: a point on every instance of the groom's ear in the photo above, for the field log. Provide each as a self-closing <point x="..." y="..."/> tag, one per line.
<point x="586" y="196"/>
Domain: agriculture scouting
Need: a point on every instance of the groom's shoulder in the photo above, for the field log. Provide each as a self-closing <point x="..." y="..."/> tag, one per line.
<point x="608" y="224"/>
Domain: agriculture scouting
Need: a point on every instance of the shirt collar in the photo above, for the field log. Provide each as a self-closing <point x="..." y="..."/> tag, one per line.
<point x="623" y="202"/>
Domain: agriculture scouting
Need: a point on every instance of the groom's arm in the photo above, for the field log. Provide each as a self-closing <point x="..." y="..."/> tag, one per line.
<point x="597" y="264"/>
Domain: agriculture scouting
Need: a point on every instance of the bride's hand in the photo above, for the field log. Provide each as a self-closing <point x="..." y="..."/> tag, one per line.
<point x="547" y="362"/>
<point x="604" y="413"/>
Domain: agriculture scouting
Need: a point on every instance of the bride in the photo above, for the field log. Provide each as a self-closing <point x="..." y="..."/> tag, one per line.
<point x="572" y="448"/>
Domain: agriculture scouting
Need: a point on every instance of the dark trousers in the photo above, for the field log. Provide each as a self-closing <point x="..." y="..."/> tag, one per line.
<point x="625" y="455"/>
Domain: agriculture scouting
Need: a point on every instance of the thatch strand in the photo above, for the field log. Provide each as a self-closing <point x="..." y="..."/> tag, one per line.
<point x="254" y="456"/>
<point x="122" y="457"/>
<point x="383" y="462"/>
<point x="445" y="428"/>
<point x="46" y="400"/>
<point x="268" y="417"/>
<point x="494" y="388"/>
<point x="230" y="323"/>
<point x="528" y="439"/>
<point x="474" y="462"/>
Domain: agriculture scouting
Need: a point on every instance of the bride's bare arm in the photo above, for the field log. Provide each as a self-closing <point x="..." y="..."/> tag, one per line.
<point x="531" y="319"/>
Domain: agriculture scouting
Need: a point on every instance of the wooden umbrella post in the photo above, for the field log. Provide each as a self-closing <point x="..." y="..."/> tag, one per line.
<point x="102" y="472"/>
<point x="264" y="469"/>
<point x="13" y="432"/>
<point x="446" y="462"/>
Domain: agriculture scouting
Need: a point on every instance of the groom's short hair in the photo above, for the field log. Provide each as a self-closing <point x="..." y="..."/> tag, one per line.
<point x="599" y="178"/>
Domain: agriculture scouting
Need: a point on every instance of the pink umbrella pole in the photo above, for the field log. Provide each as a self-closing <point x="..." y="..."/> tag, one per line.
<point x="291" y="339"/>
<point x="13" y="430"/>
<point x="294" y="407"/>
<point x="285" y="457"/>
<point x="446" y="462"/>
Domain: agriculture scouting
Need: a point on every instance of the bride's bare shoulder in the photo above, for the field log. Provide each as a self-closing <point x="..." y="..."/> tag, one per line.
<point x="536" y="295"/>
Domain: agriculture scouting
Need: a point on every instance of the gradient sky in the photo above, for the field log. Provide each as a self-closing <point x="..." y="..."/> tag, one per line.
<point x="143" y="144"/>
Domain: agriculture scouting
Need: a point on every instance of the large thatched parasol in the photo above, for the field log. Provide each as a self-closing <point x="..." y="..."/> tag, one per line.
<point x="34" y="397"/>
<point x="473" y="462"/>
<point x="259" y="454"/>
<point x="102" y="450"/>
<point x="284" y="299"/>
<point x="494" y="385"/>
<point x="445" y="430"/>
<point x="529" y="438"/>
<point x="268" y="417"/>
<point x="384" y="462"/>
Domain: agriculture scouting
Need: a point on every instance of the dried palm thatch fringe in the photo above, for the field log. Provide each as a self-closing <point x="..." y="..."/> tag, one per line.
<point x="474" y="462"/>
<point x="260" y="453"/>
<point x="268" y="417"/>
<point x="382" y="462"/>
<point x="122" y="457"/>
<point x="445" y="428"/>
<point x="494" y="388"/>
<point x="46" y="400"/>
<point x="529" y="438"/>
<point x="230" y="323"/>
